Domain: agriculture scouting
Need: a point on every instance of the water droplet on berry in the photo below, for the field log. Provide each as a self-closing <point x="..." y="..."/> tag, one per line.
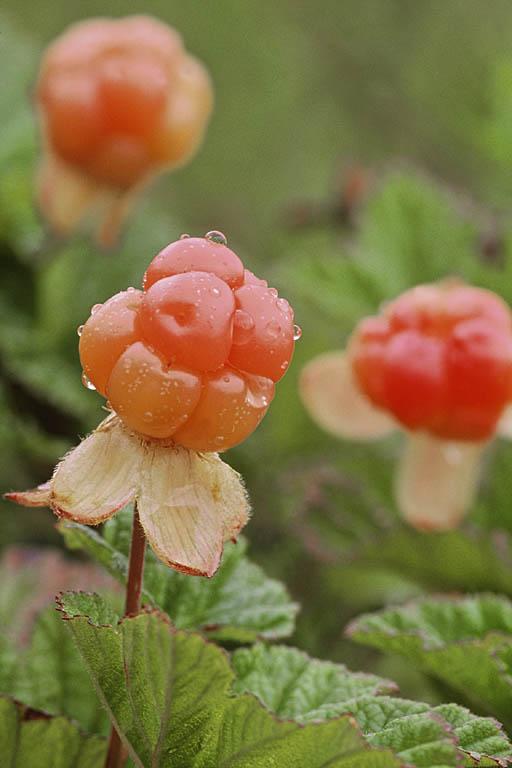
<point x="273" y="329"/>
<point x="297" y="332"/>
<point x="217" y="237"/>
<point x="130" y="289"/>
<point x="273" y="292"/>
<point x="184" y="236"/>
<point x="219" y="440"/>
<point x="283" y="305"/>
<point x="88" y="383"/>
<point x="285" y="365"/>
<point x="79" y="330"/>
<point x="258" y="392"/>
<point x="95" y="308"/>
<point x="147" y="416"/>
<point x="244" y="326"/>
<point x="215" y="291"/>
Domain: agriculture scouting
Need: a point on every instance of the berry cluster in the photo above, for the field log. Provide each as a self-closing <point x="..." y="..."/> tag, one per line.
<point x="121" y="99"/>
<point x="195" y="355"/>
<point x="439" y="358"/>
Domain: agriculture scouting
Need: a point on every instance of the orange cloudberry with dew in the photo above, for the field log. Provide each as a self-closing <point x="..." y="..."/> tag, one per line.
<point x="118" y="100"/>
<point x="189" y="366"/>
<point x="437" y="363"/>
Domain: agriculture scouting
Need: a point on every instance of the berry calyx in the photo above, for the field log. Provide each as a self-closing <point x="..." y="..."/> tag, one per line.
<point x="439" y="359"/>
<point x="194" y="357"/>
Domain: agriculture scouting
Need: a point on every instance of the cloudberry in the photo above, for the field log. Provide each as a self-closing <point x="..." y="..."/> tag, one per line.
<point x="436" y="362"/>
<point x="439" y="359"/>
<point x="195" y="355"/>
<point x="118" y="101"/>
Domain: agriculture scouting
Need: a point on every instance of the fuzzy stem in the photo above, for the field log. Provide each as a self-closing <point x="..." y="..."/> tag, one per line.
<point x="116" y="756"/>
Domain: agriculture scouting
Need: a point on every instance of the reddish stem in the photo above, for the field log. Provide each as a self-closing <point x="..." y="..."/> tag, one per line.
<point x="117" y="755"/>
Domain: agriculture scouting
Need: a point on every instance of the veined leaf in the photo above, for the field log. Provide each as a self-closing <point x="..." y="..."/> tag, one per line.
<point x="295" y="686"/>
<point x="239" y="604"/>
<point x="51" y="676"/>
<point x="465" y="642"/>
<point x="385" y="719"/>
<point x="247" y="736"/>
<point x="30" y="739"/>
<point x="168" y="692"/>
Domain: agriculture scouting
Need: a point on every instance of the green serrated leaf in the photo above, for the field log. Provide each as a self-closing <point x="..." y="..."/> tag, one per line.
<point x="239" y="604"/>
<point x="89" y="605"/>
<point x="33" y="740"/>
<point x="246" y="736"/>
<point x="472" y="734"/>
<point x="158" y="685"/>
<point x="423" y="740"/>
<point x="169" y="694"/>
<point x="292" y="685"/>
<point x="295" y="686"/>
<point x="464" y="642"/>
<point x="51" y="676"/>
<point x="481" y="736"/>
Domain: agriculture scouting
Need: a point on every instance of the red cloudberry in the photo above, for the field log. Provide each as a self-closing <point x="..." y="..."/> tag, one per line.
<point x="195" y="355"/>
<point x="437" y="361"/>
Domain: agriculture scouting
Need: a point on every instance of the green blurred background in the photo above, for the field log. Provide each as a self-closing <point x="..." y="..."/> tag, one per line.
<point x="414" y="99"/>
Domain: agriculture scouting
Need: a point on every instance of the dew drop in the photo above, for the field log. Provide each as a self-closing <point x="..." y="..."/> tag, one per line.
<point x="184" y="236"/>
<point x="95" y="308"/>
<point x="88" y="383"/>
<point x="215" y="291"/>
<point x="259" y="392"/>
<point x="273" y="329"/>
<point x="79" y="330"/>
<point x="131" y="289"/>
<point x="219" y="440"/>
<point x="285" y="365"/>
<point x="297" y="332"/>
<point x="244" y="327"/>
<point x="147" y="416"/>
<point x="217" y="237"/>
<point x="282" y="305"/>
<point x="273" y="292"/>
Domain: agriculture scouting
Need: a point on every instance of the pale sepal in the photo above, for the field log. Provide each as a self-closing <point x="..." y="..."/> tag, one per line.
<point x="35" y="497"/>
<point x="437" y="480"/>
<point x="68" y="198"/>
<point x="189" y="505"/>
<point x="99" y="476"/>
<point x="504" y="427"/>
<point x="331" y="396"/>
<point x="65" y="195"/>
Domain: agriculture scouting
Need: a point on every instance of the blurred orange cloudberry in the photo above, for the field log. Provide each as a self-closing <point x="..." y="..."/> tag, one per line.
<point x="118" y="102"/>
